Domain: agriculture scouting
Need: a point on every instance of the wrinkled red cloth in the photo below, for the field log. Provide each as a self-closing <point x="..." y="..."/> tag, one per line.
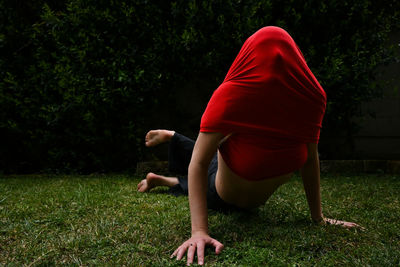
<point x="271" y="102"/>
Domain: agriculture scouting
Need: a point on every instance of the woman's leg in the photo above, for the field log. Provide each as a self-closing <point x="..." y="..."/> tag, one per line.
<point x="179" y="156"/>
<point x="180" y="148"/>
<point x="180" y="153"/>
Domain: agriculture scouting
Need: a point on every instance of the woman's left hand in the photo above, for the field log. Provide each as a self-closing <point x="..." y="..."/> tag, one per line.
<point x="342" y="223"/>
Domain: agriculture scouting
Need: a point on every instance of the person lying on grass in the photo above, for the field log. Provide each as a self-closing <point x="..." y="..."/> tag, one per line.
<point x="260" y="125"/>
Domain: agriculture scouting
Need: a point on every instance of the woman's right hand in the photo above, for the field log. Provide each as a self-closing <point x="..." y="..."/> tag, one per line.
<point x="197" y="242"/>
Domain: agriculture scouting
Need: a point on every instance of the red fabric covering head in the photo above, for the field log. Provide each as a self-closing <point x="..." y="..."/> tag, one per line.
<point x="270" y="101"/>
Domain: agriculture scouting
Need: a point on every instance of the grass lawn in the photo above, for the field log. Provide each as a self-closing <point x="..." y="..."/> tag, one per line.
<point x="102" y="220"/>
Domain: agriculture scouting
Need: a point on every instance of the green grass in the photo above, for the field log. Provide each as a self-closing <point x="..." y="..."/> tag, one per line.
<point x="102" y="220"/>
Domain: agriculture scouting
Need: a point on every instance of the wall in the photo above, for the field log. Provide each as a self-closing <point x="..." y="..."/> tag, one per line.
<point x="379" y="137"/>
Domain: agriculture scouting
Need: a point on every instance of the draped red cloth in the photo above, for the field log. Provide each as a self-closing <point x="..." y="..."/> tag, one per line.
<point x="271" y="102"/>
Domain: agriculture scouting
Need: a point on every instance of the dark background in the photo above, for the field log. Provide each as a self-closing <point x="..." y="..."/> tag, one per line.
<point x="81" y="82"/>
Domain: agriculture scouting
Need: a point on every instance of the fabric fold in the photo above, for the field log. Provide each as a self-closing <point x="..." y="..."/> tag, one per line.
<point x="271" y="96"/>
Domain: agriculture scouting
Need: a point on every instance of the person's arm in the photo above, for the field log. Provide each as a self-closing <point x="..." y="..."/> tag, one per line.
<point x="310" y="173"/>
<point x="203" y="152"/>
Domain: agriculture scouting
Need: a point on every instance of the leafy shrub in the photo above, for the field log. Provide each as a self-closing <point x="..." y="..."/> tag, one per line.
<point x="82" y="81"/>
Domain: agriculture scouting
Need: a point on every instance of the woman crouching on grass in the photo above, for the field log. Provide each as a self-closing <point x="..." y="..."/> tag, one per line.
<point x="260" y="125"/>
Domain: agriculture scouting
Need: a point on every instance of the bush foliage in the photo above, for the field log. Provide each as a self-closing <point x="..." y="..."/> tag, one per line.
<point x="82" y="81"/>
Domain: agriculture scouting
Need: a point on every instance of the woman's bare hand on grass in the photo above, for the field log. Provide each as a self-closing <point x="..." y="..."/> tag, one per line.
<point x="342" y="223"/>
<point x="197" y="242"/>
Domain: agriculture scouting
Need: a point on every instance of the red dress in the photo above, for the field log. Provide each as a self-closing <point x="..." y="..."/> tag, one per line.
<point x="273" y="105"/>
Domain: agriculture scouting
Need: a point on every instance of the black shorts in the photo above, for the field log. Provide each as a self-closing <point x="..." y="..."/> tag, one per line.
<point x="180" y="153"/>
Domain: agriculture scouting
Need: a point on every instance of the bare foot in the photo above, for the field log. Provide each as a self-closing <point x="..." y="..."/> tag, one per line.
<point x="155" y="137"/>
<point x="146" y="184"/>
<point x="152" y="180"/>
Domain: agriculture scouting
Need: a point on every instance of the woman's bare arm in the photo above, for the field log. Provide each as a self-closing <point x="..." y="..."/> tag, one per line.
<point x="203" y="152"/>
<point x="310" y="174"/>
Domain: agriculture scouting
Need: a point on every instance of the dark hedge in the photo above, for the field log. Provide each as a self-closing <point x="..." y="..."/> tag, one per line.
<point x="82" y="81"/>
